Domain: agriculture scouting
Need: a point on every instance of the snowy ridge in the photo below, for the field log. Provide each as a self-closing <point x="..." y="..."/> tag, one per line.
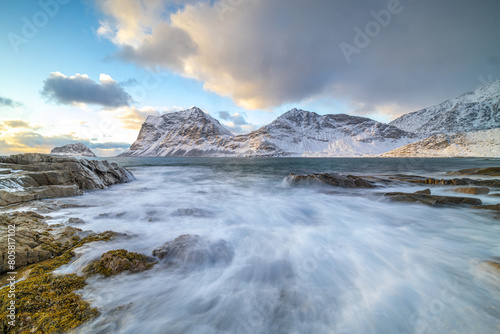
<point x="295" y="133"/>
<point x="484" y="143"/>
<point x="185" y="133"/>
<point x="472" y="111"/>
<point x="73" y="150"/>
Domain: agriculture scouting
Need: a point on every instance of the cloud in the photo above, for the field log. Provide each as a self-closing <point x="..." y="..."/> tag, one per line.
<point x="16" y="124"/>
<point x="132" y="117"/>
<point x="236" y="123"/>
<point x="29" y="141"/>
<point x="265" y="53"/>
<point x="9" y="102"/>
<point x="81" y="89"/>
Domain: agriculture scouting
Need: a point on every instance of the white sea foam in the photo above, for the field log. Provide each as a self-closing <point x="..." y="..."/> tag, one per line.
<point x="305" y="261"/>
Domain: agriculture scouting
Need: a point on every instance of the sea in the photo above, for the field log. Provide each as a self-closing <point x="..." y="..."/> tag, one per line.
<point x="305" y="259"/>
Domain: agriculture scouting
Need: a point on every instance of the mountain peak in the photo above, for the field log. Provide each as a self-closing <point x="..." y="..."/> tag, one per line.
<point x="73" y="150"/>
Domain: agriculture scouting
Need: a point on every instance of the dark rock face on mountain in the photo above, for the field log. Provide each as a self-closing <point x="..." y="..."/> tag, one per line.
<point x="73" y="150"/>
<point x="39" y="176"/>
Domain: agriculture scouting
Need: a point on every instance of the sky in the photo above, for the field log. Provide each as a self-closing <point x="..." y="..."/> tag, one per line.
<point x="91" y="71"/>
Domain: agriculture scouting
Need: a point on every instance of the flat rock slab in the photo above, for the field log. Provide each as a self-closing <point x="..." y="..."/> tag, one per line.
<point x="40" y="176"/>
<point x="473" y="190"/>
<point x="494" y="207"/>
<point x="331" y="179"/>
<point x="433" y="200"/>
<point x="489" y="171"/>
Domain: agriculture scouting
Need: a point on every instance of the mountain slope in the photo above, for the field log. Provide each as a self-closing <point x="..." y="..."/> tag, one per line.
<point x="304" y="133"/>
<point x="295" y="133"/>
<point x="73" y="150"/>
<point x="472" y="111"/>
<point x="484" y="143"/>
<point x="184" y="133"/>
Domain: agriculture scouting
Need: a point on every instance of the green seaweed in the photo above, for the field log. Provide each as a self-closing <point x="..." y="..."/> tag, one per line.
<point x="117" y="261"/>
<point x="47" y="303"/>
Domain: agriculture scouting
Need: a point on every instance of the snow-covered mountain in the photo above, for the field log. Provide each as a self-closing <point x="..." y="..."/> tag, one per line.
<point x="73" y="150"/>
<point x="485" y="143"/>
<point x="472" y="111"/>
<point x="295" y="133"/>
<point x="185" y="133"/>
<point x="304" y="133"/>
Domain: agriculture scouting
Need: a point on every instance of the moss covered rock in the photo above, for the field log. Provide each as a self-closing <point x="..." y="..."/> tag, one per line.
<point x="117" y="261"/>
<point x="48" y="303"/>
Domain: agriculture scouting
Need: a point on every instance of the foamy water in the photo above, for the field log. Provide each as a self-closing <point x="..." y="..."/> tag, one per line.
<point x="305" y="261"/>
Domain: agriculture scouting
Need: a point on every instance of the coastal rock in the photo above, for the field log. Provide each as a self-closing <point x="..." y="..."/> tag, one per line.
<point x="473" y="190"/>
<point x="432" y="200"/>
<point x="489" y="171"/>
<point x="117" y="261"/>
<point x="331" y="179"/>
<point x="494" y="207"/>
<point x="493" y="183"/>
<point x="194" y="250"/>
<point x="423" y="192"/>
<point x="73" y="150"/>
<point x="34" y="242"/>
<point x="40" y="176"/>
<point x="76" y="221"/>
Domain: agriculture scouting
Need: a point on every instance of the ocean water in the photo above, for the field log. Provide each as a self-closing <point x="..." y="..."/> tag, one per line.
<point x="306" y="259"/>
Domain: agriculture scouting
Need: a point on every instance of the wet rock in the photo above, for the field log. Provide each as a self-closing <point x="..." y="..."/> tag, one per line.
<point x="494" y="195"/>
<point x="48" y="303"/>
<point x="423" y="192"/>
<point x="473" y="190"/>
<point x="332" y="179"/>
<point x="76" y="221"/>
<point x="41" y="176"/>
<point x="194" y="250"/>
<point x="33" y="238"/>
<point x="117" y="261"/>
<point x="489" y="171"/>
<point x="494" y="207"/>
<point x="449" y="182"/>
<point x="5" y="171"/>
<point x="191" y="212"/>
<point x="433" y="200"/>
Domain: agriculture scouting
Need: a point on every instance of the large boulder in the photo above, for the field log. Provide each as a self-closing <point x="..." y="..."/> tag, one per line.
<point x="194" y="250"/>
<point x="117" y="261"/>
<point x="331" y="179"/>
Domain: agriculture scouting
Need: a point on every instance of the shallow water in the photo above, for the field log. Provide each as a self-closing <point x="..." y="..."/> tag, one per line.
<point x="305" y="261"/>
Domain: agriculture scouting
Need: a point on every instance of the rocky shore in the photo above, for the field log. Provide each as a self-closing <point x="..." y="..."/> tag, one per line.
<point x="33" y="176"/>
<point x="458" y="185"/>
<point x="48" y="303"/>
